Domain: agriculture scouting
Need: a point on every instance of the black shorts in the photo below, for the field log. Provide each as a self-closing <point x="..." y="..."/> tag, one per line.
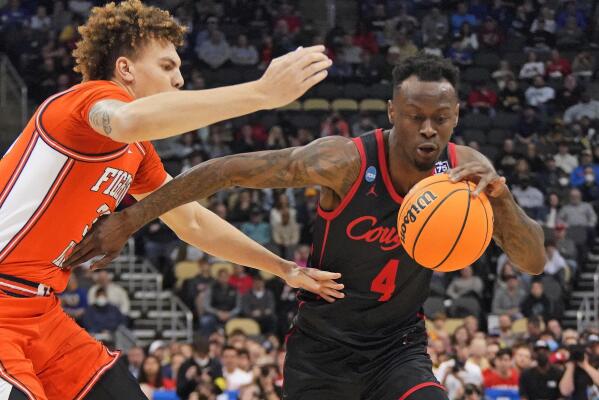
<point x="317" y="369"/>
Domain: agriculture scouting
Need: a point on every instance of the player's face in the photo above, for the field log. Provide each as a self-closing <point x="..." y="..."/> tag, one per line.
<point x="155" y="69"/>
<point x="424" y="115"/>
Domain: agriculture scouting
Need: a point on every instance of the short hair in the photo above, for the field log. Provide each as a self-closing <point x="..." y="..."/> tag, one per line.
<point x="113" y="31"/>
<point x="504" y="352"/>
<point x="427" y="68"/>
<point x="226" y="348"/>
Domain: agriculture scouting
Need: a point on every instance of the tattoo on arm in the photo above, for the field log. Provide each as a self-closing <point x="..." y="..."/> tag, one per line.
<point x="330" y="162"/>
<point x="100" y="115"/>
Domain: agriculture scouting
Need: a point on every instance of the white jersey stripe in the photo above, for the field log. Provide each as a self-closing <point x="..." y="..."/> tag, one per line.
<point x="20" y="165"/>
<point x="27" y="198"/>
<point x="5" y="389"/>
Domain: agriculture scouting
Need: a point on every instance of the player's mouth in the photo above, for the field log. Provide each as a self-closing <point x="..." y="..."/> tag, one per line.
<point x="426" y="150"/>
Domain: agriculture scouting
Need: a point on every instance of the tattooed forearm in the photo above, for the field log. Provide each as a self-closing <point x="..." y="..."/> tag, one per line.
<point x="330" y="162"/>
<point x="106" y="122"/>
<point x="520" y="237"/>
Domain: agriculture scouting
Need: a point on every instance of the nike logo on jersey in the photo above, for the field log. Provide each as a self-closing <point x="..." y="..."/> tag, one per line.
<point x="365" y="229"/>
<point x="115" y="183"/>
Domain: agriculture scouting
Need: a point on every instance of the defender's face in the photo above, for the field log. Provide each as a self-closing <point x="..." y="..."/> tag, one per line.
<point x="424" y="115"/>
<point x="155" y="69"/>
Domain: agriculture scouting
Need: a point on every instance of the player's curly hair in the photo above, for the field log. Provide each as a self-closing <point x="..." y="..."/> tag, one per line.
<point x="428" y="68"/>
<point x="119" y="30"/>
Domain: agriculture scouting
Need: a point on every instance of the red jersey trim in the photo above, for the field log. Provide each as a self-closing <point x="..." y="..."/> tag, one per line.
<point x="453" y="157"/>
<point x="88" y="386"/>
<point x="17" y="172"/>
<point x="330" y="215"/>
<point x="421" y="386"/>
<point x="380" y="144"/>
<point x="141" y="148"/>
<point x="324" y="241"/>
<point x="64" y="149"/>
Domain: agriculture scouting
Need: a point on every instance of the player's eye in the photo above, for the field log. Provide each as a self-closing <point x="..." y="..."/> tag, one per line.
<point x="442" y="120"/>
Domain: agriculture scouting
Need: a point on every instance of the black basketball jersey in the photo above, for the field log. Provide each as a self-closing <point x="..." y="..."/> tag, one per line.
<point x="384" y="287"/>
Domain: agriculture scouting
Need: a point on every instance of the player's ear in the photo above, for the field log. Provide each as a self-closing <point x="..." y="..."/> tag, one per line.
<point x="124" y="69"/>
<point x="390" y="112"/>
<point x="457" y="115"/>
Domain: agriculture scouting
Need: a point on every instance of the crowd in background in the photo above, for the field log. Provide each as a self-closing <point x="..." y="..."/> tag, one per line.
<point x="529" y="101"/>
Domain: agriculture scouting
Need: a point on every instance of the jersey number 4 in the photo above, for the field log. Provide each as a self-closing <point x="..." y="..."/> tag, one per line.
<point x="384" y="282"/>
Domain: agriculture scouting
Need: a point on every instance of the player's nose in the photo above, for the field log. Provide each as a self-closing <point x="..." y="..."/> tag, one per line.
<point x="427" y="129"/>
<point x="178" y="80"/>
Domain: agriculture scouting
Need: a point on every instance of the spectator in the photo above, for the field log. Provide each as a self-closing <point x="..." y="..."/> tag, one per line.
<point x="589" y="189"/>
<point x="135" y="357"/>
<point x="556" y="264"/>
<point x="558" y="67"/>
<point x="564" y="160"/>
<point x="503" y="375"/>
<point x="548" y="216"/>
<point x="349" y="52"/>
<point x="215" y="51"/>
<point x="435" y="26"/>
<point x="286" y="233"/>
<point x="256" y="228"/>
<point x="542" y="39"/>
<point x="335" y="125"/>
<point x="512" y="97"/>
<point x="536" y="304"/>
<point x="115" y="294"/>
<point x="234" y="376"/>
<point x="586" y="170"/>
<point x="223" y="302"/>
<point x="241" y="209"/>
<point x="504" y="74"/>
<point x="241" y="280"/>
<point x="367" y="70"/>
<point x="404" y="44"/>
<point x="569" y="94"/>
<point x="583" y="65"/>
<point x="586" y="107"/>
<point x="159" y="243"/>
<point x="566" y="246"/>
<point x="482" y="99"/>
<point x="259" y="304"/>
<point x="522" y="358"/>
<point x="276" y="139"/>
<point x="508" y="297"/>
<point x="101" y="316"/>
<point x="490" y="34"/>
<point x="544" y="21"/>
<point x="193" y="288"/>
<point x="529" y="127"/>
<point x="580" y="376"/>
<point x="466" y="284"/>
<point x="462" y="16"/>
<point x="530" y="198"/>
<point x="521" y="22"/>
<point x="532" y="67"/>
<point x="507" y="336"/>
<point x="365" y="39"/>
<point x="570" y="11"/>
<point x="74" y="299"/>
<point x="244" y="53"/>
<point x="199" y="365"/>
<point x="40" y="21"/>
<point x="540" y="382"/>
<point x="478" y="348"/>
<point x="457" y="372"/>
<point x="506" y="161"/>
<point x="151" y="377"/>
<point x="462" y="58"/>
<point x="578" y="213"/>
<point x="540" y="94"/>
<point x="468" y="39"/>
<point x="570" y="36"/>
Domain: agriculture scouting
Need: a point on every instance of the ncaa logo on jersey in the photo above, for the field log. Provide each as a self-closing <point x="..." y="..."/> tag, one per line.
<point x="370" y="175"/>
<point x="441" y="166"/>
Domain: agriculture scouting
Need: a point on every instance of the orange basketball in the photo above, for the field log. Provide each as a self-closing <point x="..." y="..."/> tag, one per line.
<point x="442" y="226"/>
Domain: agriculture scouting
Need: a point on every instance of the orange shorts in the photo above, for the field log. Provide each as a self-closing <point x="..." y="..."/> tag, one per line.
<point x="44" y="353"/>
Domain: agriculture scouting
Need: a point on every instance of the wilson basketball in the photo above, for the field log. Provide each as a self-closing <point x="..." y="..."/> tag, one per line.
<point x="442" y="226"/>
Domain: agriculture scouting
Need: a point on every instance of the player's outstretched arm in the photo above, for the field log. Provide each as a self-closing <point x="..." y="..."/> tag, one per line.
<point x="173" y="113"/>
<point x="520" y="237"/>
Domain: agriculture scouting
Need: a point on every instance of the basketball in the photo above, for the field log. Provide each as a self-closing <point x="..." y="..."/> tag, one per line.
<point x="442" y="226"/>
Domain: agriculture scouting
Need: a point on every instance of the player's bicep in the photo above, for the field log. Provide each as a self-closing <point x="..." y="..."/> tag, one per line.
<point x="104" y="117"/>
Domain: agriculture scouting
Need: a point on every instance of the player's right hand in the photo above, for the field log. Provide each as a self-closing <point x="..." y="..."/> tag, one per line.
<point x="104" y="241"/>
<point x="288" y="77"/>
<point x="316" y="281"/>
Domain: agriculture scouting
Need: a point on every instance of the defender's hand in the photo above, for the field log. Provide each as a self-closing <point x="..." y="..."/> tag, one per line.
<point x="484" y="176"/>
<point x="106" y="238"/>
<point x="288" y="77"/>
<point x="316" y="281"/>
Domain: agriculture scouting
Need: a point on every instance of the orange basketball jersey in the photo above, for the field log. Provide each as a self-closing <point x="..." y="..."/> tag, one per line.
<point x="58" y="177"/>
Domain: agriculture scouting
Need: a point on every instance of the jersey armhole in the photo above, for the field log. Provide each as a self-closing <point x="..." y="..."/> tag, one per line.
<point x="453" y="155"/>
<point x="334" y="213"/>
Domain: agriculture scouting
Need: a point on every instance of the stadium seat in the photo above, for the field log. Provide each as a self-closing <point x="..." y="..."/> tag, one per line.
<point x="490" y="151"/>
<point x="520" y="325"/>
<point x="451" y="324"/>
<point x="355" y="91"/>
<point x="476" y="74"/>
<point x="475" y="121"/>
<point x="373" y="105"/>
<point x="515" y="43"/>
<point x="463" y="306"/>
<point x="497" y="136"/>
<point x="516" y="59"/>
<point x="505" y="120"/>
<point x="432" y="306"/>
<point x="268" y="119"/>
<point x="578" y="234"/>
<point x="551" y="288"/>
<point x="487" y="60"/>
<point x="216" y="267"/>
<point x="329" y="91"/>
<point x="305" y="120"/>
<point x="478" y="135"/>
<point x="293" y="106"/>
<point x="185" y="270"/>
<point x="344" y="105"/>
<point x="383" y="91"/>
<point x="382" y="121"/>
<point x="316" y="105"/>
<point x="246" y="325"/>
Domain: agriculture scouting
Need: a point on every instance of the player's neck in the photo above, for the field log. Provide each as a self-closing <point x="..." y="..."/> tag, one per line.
<point x="403" y="174"/>
<point x="127" y="88"/>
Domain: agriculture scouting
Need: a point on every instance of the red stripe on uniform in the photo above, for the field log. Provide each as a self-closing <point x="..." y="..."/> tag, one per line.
<point x="83" y="392"/>
<point x="324" y="241"/>
<point x="453" y="157"/>
<point x="421" y="386"/>
<point x="380" y="144"/>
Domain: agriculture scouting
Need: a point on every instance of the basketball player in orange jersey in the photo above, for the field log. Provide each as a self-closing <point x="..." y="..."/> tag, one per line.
<point x="371" y="344"/>
<point x="82" y="151"/>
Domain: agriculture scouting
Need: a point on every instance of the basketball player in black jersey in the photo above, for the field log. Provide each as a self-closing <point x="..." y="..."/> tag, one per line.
<point x="372" y="343"/>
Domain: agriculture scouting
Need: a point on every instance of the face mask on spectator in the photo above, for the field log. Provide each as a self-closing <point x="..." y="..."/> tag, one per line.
<point x="589" y="178"/>
<point x="563" y="181"/>
<point x="552" y="345"/>
<point x="101" y="301"/>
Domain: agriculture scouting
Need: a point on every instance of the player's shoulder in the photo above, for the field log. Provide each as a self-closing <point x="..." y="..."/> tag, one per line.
<point x="342" y="150"/>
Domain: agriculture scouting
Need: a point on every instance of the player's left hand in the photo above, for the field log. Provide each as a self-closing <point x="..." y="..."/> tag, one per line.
<point x="316" y="281"/>
<point x="486" y="178"/>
